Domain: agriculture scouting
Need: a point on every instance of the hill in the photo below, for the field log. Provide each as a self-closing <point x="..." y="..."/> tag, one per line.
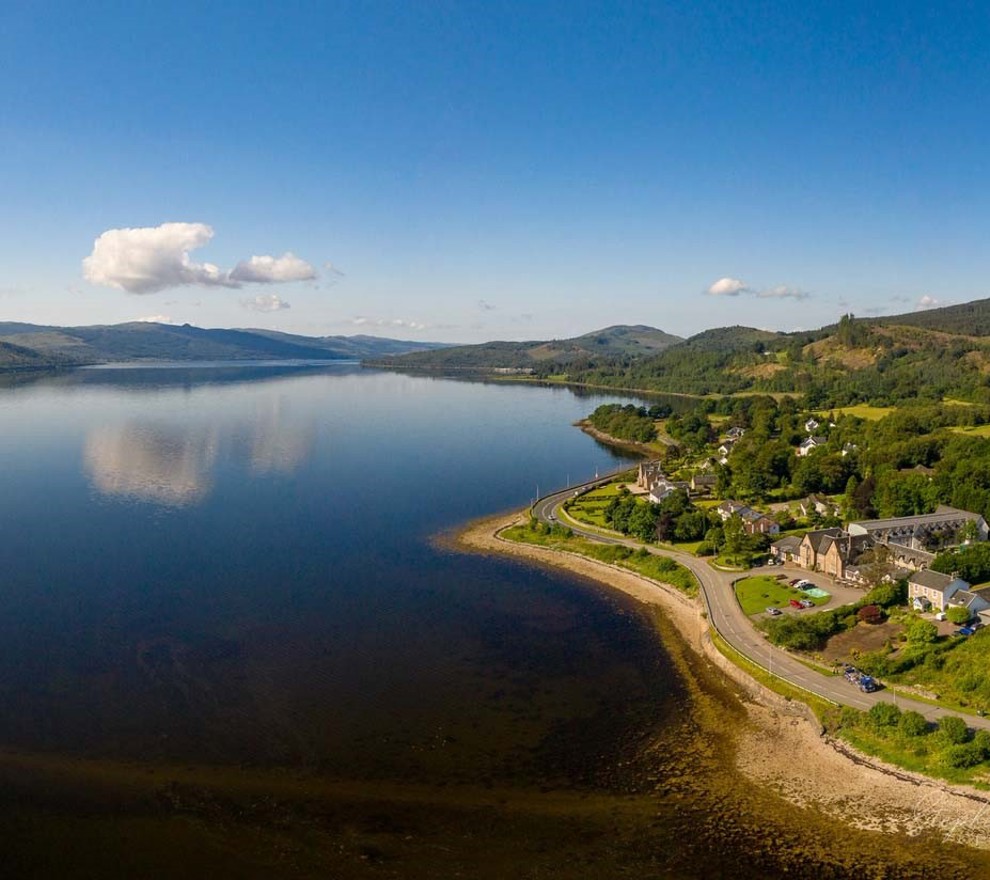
<point x="616" y="343"/>
<point x="965" y="319"/>
<point x="37" y="345"/>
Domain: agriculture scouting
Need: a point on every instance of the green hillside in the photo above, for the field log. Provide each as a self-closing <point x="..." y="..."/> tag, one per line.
<point x="612" y="345"/>
<point x="36" y="345"/>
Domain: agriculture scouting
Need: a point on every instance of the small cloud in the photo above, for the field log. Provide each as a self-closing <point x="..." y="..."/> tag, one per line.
<point x="152" y="258"/>
<point x="332" y="269"/>
<point x="728" y="287"/>
<point x="362" y="321"/>
<point x="485" y="306"/>
<point x="782" y="291"/>
<point x="927" y="302"/>
<point x="271" y="270"/>
<point x="265" y="302"/>
<point x="155" y="319"/>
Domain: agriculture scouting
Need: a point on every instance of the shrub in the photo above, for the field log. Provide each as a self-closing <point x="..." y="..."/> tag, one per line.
<point x="913" y="723"/>
<point x="953" y="729"/>
<point x="870" y="614"/>
<point x="955" y="614"/>
<point x="963" y="755"/>
<point x="884" y="714"/>
<point x="921" y="631"/>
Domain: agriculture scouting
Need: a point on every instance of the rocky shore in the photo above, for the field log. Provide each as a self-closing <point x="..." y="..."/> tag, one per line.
<point x="783" y="747"/>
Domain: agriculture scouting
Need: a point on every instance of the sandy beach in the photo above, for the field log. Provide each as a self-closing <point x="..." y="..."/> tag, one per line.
<point x="782" y="747"/>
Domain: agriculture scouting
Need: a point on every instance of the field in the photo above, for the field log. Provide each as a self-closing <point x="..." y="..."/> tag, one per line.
<point x="973" y="431"/>
<point x="590" y="507"/>
<point x="861" y="411"/>
<point x="756" y="594"/>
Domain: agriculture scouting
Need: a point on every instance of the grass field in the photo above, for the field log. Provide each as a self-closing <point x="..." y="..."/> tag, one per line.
<point x="590" y="507"/>
<point x="975" y="431"/>
<point x="756" y="594"/>
<point x="861" y="411"/>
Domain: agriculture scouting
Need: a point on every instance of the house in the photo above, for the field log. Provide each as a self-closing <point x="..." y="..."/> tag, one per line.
<point x="704" y="484"/>
<point x="812" y="425"/>
<point x="848" y="449"/>
<point x="649" y="472"/>
<point x="663" y="488"/>
<point x="810" y="444"/>
<point x="925" y="532"/>
<point x="935" y="587"/>
<point x="817" y="504"/>
<point x="754" y="522"/>
<point x="813" y="545"/>
<point x="972" y="601"/>
<point x="786" y="549"/>
<point x="734" y="433"/>
<point x="726" y="447"/>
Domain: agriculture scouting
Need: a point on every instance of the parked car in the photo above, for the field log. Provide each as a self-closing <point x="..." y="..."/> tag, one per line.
<point x="868" y="684"/>
<point x="796" y="604"/>
<point x="773" y="612"/>
<point x="807" y="603"/>
<point x="965" y="631"/>
<point x="850" y="673"/>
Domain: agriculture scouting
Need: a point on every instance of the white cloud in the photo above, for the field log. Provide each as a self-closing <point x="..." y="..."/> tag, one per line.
<point x="265" y="302"/>
<point x="152" y="258"/>
<point x="734" y="287"/>
<point x="269" y="270"/>
<point x="362" y="321"/>
<point x="727" y="287"/>
<point x="486" y="306"/>
<point x="149" y="259"/>
<point x="155" y="319"/>
<point x="927" y="302"/>
<point x="782" y="291"/>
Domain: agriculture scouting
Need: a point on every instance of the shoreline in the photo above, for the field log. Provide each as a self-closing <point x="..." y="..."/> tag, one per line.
<point x="783" y="748"/>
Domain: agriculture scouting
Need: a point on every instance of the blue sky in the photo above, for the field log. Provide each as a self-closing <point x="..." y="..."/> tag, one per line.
<point x="471" y="171"/>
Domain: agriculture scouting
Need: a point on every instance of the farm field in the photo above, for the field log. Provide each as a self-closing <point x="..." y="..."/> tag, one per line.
<point x="861" y="411"/>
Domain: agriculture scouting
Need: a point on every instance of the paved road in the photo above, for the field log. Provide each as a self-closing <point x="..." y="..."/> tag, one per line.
<point x="727" y="618"/>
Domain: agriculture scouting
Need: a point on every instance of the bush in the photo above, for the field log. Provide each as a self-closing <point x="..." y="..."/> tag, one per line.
<point x="884" y="715"/>
<point x="921" y="631"/>
<point x="955" y="614"/>
<point x="913" y="723"/>
<point x="965" y="755"/>
<point x="953" y="729"/>
<point x="870" y="614"/>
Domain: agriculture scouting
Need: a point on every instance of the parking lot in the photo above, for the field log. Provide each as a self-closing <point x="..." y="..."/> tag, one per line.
<point x="841" y="593"/>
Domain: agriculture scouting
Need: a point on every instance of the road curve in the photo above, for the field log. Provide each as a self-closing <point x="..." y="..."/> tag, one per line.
<point x="728" y="619"/>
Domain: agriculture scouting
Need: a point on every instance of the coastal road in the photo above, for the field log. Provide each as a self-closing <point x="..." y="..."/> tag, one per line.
<point x="728" y="619"/>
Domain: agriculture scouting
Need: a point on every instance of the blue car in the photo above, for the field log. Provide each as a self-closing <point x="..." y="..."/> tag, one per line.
<point x="965" y="631"/>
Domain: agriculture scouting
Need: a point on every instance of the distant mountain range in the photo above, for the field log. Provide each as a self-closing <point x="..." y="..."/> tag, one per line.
<point x="613" y="342"/>
<point x="33" y="345"/>
<point x="929" y="355"/>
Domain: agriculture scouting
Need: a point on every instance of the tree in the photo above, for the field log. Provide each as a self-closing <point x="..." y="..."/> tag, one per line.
<point x="921" y="632"/>
<point x="870" y="614"/>
<point x="734" y="535"/>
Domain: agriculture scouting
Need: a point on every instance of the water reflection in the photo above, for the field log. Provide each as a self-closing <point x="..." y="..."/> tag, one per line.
<point x="173" y="464"/>
<point x="161" y="464"/>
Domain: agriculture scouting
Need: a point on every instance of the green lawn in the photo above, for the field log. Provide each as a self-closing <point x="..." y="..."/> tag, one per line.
<point x="860" y="410"/>
<point x="756" y="594"/>
<point x="590" y="507"/>
<point x="975" y="431"/>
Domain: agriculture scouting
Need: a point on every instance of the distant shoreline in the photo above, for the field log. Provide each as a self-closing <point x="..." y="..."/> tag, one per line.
<point x="831" y="776"/>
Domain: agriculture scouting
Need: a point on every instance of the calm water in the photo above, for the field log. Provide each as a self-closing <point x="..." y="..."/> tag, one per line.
<point x="223" y="581"/>
<point x="234" y="565"/>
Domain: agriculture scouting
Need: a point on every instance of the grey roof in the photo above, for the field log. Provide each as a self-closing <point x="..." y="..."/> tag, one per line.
<point x="942" y="514"/>
<point x="820" y="538"/>
<point x="934" y="580"/>
<point x="789" y="543"/>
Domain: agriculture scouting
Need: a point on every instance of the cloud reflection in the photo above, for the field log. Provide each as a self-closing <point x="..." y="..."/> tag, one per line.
<point x="173" y="465"/>
<point x="149" y="462"/>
